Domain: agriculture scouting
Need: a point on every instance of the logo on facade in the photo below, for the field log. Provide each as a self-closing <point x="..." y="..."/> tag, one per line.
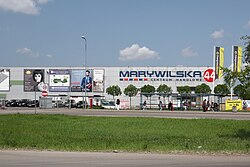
<point x="181" y="75"/>
<point x="209" y="75"/>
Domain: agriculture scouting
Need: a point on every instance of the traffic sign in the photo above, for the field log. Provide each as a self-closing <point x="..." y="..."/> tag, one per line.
<point x="44" y="93"/>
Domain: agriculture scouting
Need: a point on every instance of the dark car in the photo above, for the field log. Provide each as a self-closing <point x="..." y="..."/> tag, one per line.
<point x="23" y="102"/>
<point x="71" y="104"/>
<point x="6" y="103"/>
<point x="33" y="103"/>
<point x="80" y="104"/>
<point x="12" y="103"/>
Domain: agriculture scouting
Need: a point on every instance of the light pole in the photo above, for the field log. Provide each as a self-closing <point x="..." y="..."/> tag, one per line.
<point x="85" y="66"/>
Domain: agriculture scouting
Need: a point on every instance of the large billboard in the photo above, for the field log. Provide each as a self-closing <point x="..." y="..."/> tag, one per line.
<point x="81" y="79"/>
<point x="98" y="81"/>
<point x="59" y="80"/>
<point x="4" y="80"/>
<point x="33" y="78"/>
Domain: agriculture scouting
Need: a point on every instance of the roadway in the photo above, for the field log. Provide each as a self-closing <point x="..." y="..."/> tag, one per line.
<point x="24" y="158"/>
<point x="133" y="113"/>
<point x="78" y="159"/>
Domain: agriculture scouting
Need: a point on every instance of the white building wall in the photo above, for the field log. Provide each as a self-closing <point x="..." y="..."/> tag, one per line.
<point x="111" y="77"/>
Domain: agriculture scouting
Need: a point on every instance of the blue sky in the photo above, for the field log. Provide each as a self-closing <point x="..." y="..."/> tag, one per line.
<point x="120" y="32"/>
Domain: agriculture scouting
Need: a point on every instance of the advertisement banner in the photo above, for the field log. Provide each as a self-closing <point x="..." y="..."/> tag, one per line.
<point x="237" y="58"/>
<point x="233" y="103"/>
<point x="4" y="80"/>
<point x="98" y="81"/>
<point x="219" y="62"/>
<point x="59" y="80"/>
<point x="81" y="79"/>
<point x="33" y="78"/>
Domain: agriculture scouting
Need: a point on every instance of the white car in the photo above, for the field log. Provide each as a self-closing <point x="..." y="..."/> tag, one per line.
<point x="108" y="104"/>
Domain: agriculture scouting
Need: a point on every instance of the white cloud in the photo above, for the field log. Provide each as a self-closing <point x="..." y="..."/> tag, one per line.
<point x="27" y="52"/>
<point x="217" y="34"/>
<point x="24" y="51"/>
<point x="135" y="52"/>
<point x="22" y="6"/>
<point x="188" y="52"/>
<point x="49" y="55"/>
<point x="30" y="53"/>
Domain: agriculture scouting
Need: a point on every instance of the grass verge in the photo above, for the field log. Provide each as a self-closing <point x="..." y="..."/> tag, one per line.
<point x="73" y="133"/>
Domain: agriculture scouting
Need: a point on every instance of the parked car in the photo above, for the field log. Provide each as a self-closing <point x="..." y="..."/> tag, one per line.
<point x="108" y="104"/>
<point x="23" y="102"/>
<point x="12" y="103"/>
<point x="33" y="103"/>
<point x="72" y="103"/>
<point x="80" y="104"/>
<point x="57" y="104"/>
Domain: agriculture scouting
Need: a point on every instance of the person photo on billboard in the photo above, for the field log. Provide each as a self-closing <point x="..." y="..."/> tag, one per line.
<point x="88" y="81"/>
<point x="38" y="76"/>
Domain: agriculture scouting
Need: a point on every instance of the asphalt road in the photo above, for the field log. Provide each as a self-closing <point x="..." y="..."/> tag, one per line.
<point x="133" y="113"/>
<point x="11" y="158"/>
<point x="84" y="159"/>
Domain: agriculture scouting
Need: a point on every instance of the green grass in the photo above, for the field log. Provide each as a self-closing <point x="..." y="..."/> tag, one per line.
<point x="73" y="133"/>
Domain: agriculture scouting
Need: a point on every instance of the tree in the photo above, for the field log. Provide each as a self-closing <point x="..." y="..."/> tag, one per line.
<point x="230" y="77"/>
<point x="130" y="91"/>
<point x="239" y="90"/>
<point x="114" y="90"/>
<point x="243" y="78"/>
<point x="242" y="91"/>
<point x="164" y="89"/>
<point x="221" y="89"/>
<point x="246" y="51"/>
<point x="203" y="88"/>
<point x="148" y="89"/>
<point x="184" y="89"/>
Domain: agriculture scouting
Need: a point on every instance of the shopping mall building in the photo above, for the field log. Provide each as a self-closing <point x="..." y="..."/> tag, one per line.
<point x="61" y="82"/>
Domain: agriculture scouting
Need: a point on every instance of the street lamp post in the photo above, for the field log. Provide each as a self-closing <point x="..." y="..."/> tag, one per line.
<point x="85" y="66"/>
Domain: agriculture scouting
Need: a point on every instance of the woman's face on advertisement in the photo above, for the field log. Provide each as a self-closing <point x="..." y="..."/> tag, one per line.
<point x="38" y="77"/>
